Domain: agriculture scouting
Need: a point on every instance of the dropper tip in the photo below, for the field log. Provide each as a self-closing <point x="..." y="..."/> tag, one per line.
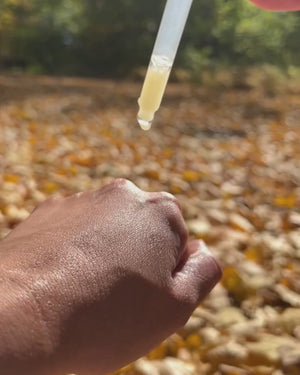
<point x="144" y="124"/>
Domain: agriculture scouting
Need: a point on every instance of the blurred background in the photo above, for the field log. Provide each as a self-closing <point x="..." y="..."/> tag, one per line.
<point x="114" y="38"/>
<point x="225" y="142"/>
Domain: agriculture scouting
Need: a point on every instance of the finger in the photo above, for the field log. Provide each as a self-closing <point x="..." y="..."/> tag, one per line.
<point x="278" y="5"/>
<point x="171" y="208"/>
<point x="198" y="275"/>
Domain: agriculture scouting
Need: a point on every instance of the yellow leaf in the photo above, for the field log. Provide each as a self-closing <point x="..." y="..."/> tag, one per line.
<point x="233" y="283"/>
<point x="50" y="187"/>
<point x="32" y="126"/>
<point x="124" y="370"/>
<point x="51" y="144"/>
<point x="153" y="174"/>
<point x="175" y="342"/>
<point x="82" y="160"/>
<point x="241" y="223"/>
<point x="191" y="176"/>
<point x="32" y="140"/>
<point x="168" y="153"/>
<point x="159" y="353"/>
<point x="254" y="254"/>
<point x="289" y="201"/>
<point x="60" y="171"/>
<point x="175" y="189"/>
<point x="73" y="170"/>
<point x="193" y="341"/>
<point x="68" y="129"/>
<point x="285" y="282"/>
<point x="12" y="178"/>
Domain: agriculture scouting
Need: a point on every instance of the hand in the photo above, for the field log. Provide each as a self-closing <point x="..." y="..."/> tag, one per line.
<point x="108" y="274"/>
<point x="279" y="5"/>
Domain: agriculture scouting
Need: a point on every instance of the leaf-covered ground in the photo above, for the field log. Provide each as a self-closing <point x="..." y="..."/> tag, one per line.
<point x="232" y="158"/>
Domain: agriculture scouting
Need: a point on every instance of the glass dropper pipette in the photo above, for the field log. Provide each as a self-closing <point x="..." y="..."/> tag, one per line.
<point x="168" y="38"/>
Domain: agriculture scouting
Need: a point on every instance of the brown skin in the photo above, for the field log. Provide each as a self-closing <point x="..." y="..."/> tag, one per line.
<point x="278" y="5"/>
<point x="91" y="282"/>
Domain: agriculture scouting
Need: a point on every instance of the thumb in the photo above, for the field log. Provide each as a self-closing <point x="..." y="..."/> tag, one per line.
<point x="279" y="5"/>
<point x="197" y="275"/>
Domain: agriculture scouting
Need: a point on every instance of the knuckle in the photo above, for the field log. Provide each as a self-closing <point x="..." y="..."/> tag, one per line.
<point x="110" y="187"/>
<point x="162" y="197"/>
<point x="168" y="196"/>
<point x="120" y="182"/>
<point x="120" y="188"/>
<point x="167" y="206"/>
<point x="78" y="195"/>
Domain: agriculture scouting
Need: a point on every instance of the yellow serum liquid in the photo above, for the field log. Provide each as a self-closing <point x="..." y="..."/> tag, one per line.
<point x="152" y="93"/>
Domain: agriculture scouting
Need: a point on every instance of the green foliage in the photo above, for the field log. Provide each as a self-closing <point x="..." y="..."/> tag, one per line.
<point x="114" y="37"/>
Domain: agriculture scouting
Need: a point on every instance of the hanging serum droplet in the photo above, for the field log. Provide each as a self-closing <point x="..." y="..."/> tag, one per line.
<point x="145" y="125"/>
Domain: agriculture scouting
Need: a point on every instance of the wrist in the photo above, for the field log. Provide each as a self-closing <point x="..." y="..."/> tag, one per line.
<point x="25" y="345"/>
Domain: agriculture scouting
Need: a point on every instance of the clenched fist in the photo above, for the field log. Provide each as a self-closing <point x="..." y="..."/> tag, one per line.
<point x="92" y="282"/>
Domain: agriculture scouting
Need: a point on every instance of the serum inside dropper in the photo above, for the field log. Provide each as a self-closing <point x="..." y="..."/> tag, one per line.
<point x="153" y="90"/>
<point x="164" y="52"/>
